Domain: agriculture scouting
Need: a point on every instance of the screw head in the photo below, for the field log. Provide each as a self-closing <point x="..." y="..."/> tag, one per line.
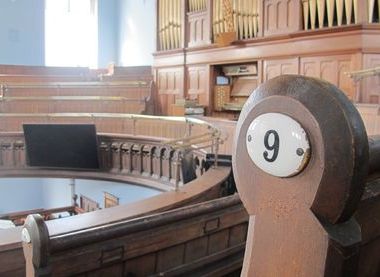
<point x="300" y="151"/>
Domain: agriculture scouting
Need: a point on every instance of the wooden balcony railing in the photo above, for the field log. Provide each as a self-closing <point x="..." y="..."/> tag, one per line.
<point x="138" y="154"/>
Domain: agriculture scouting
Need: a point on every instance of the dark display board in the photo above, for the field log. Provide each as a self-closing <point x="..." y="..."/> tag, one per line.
<point x="61" y="146"/>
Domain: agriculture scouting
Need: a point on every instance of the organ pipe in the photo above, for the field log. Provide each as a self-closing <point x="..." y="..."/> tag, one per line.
<point x="169" y="23"/>
<point x="244" y="18"/>
<point x="339" y="12"/>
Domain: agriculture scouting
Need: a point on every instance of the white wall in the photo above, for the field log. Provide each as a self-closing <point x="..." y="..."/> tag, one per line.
<point x="137" y="25"/>
<point x="17" y="194"/>
<point x="126" y="32"/>
<point x="20" y="194"/>
<point x="57" y="192"/>
<point x="107" y="32"/>
<point x="22" y="32"/>
<point x="126" y="193"/>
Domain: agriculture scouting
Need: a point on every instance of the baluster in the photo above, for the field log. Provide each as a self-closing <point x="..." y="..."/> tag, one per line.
<point x="105" y="156"/>
<point x="176" y="162"/>
<point x="6" y="154"/>
<point x="19" y="153"/>
<point x="116" y="157"/>
<point x="126" y="158"/>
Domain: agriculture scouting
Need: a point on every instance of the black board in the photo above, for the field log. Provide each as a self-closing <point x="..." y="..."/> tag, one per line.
<point x="61" y="146"/>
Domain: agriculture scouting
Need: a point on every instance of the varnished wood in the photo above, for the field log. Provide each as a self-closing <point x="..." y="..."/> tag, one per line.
<point x="337" y="237"/>
<point x="275" y="29"/>
<point x="138" y="239"/>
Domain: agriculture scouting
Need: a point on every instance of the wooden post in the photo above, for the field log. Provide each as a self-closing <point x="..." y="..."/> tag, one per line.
<point x="300" y="198"/>
<point x="35" y="240"/>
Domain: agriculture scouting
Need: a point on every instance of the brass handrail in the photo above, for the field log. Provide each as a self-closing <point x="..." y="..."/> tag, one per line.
<point x="82" y="84"/>
<point x="212" y="134"/>
<point x="74" y="98"/>
<point x="360" y="74"/>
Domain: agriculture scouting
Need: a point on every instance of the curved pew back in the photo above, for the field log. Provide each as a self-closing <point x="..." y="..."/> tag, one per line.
<point x="199" y="238"/>
<point x="301" y="159"/>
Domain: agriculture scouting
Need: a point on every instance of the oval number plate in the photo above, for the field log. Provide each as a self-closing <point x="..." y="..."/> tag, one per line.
<point x="278" y="144"/>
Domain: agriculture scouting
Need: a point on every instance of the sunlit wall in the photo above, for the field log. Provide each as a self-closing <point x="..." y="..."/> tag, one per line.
<point x="20" y="194"/>
<point x="71" y="33"/>
<point x="136" y="32"/>
<point x="22" y="32"/>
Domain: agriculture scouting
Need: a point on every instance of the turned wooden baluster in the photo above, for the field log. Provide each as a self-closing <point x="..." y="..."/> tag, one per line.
<point x="300" y="160"/>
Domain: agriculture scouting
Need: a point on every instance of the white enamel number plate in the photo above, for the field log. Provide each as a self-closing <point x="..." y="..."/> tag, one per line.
<point x="278" y="145"/>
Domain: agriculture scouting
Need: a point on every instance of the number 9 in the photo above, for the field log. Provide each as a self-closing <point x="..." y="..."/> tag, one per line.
<point x="274" y="147"/>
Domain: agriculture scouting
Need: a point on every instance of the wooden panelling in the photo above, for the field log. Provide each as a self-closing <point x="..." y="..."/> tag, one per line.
<point x="198" y="29"/>
<point x="198" y="84"/>
<point x="370" y="114"/>
<point x="43" y="70"/>
<point x="12" y="262"/>
<point x="281" y="16"/>
<point x="331" y="69"/>
<point x="170" y="85"/>
<point x="228" y="132"/>
<point x="170" y="80"/>
<point x="274" y="68"/>
<point x="175" y="243"/>
<point x="371" y="85"/>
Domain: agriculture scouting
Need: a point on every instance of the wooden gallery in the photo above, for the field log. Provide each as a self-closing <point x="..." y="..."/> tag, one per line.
<point x="248" y="146"/>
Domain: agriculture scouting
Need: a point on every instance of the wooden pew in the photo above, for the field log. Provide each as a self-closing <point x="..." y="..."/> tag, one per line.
<point x="18" y="218"/>
<point x="119" y="73"/>
<point x="202" y="239"/>
<point x="35" y="89"/>
<point x="307" y="175"/>
<point x="211" y="186"/>
<point x="43" y="70"/>
<point x="61" y="97"/>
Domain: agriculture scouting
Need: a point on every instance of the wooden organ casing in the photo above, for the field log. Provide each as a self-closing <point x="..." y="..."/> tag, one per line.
<point x="318" y="38"/>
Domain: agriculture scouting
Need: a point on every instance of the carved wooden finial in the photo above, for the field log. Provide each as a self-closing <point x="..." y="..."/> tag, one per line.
<point x="300" y="159"/>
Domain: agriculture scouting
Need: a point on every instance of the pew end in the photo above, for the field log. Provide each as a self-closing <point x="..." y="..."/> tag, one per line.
<point x="301" y="160"/>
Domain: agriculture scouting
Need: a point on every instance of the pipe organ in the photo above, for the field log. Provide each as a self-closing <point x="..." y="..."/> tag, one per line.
<point x="169" y="22"/>
<point x="316" y="38"/>
<point x="245" y="18"/>
<point x="328" y="13"/>
<point x="197" y="5"/>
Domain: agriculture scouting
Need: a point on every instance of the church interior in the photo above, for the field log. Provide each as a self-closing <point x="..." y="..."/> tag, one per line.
<point x="190" y="138"/>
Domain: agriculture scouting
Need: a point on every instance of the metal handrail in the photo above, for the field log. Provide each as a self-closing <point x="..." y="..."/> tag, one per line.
<point x="360" y="74"/>
<point x="212" y="135"/>
<point x="82" y="84"/>
<point x="69" y="98"/>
